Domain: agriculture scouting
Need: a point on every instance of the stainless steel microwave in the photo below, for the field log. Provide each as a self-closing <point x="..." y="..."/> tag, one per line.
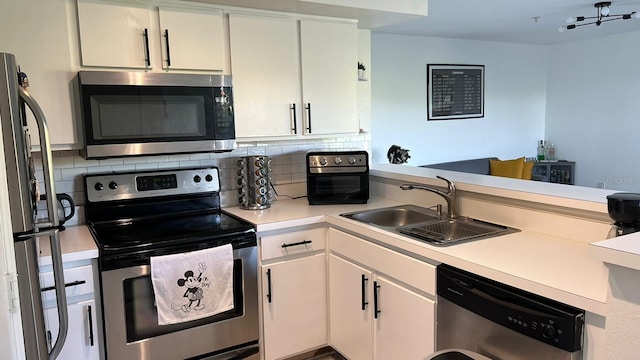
<point x="136" y="113"/>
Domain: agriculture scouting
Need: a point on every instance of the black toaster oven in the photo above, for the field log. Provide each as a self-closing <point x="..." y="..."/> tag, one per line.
<point x="337" y="177"/>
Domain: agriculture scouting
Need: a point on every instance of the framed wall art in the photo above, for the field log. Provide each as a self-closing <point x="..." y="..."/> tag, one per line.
<point x="455" y="91"/>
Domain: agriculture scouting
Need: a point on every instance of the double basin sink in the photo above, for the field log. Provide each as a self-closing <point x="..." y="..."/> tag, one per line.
<point x="428" y="225"/>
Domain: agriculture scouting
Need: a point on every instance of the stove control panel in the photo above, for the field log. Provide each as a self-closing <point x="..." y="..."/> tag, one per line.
<point x="143" y="184"/>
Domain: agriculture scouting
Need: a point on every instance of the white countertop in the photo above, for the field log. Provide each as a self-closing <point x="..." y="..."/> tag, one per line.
<point x="550" y="266"/>
<point x="76" y="244"/>
<point x="622" y="251"/>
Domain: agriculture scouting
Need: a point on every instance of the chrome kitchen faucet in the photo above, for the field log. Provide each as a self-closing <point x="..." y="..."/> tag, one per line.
<point x="450" y="195"/>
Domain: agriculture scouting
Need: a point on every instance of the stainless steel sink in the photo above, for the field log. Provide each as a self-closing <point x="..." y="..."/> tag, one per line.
<point x="428" y="225"/>
<point x="451" y="231"/>
<point x="395" y="216"/>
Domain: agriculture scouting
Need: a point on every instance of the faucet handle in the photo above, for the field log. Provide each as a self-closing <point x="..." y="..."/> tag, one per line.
<point x="450" y="185"/>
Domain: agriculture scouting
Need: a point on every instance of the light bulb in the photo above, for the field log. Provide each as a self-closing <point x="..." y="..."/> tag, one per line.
<point x="571" y="19"/>
<point x="604" y="11"/>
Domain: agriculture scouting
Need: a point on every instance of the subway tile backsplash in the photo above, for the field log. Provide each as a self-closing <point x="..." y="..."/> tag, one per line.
<point x="288" y="164"/>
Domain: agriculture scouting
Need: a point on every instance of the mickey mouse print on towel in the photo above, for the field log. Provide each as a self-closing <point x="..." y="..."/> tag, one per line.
<point x="194" y="289"/>
<point x="193" y="285"/>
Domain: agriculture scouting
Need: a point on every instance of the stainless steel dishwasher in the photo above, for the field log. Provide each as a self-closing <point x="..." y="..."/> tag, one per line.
<point x="502" y="322"/>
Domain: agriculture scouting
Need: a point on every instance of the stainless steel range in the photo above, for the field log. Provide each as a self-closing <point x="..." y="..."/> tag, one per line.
<point x="138" y="215"/>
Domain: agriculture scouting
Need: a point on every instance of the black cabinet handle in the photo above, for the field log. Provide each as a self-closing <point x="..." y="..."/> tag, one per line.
<point x="147" y="58"/>
<point x="74" y="283"/>
<point x="166" y="37"/>
<point x="269" y="285"/>
<point x="285" y="245"/>
<point x="295" y="121"/>
<point x="376" y="311"/>
<point x="90" y="317"/>
<point x="364" y="292"/>
<point x="308" y="107"/>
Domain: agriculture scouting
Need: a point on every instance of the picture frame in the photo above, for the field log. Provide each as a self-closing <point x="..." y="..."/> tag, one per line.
<point x="455" y="91"/>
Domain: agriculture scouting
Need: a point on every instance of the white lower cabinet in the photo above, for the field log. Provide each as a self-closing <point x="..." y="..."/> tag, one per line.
<point x="294" y="292"/>
<point x="82" y="337"/>
<point x="381" y="303"/>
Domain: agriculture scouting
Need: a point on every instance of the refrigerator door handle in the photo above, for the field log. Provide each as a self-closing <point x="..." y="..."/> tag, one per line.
<point x="52" y="212"/>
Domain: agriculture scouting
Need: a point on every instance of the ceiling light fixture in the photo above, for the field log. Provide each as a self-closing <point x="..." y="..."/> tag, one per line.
<point x="603" y="16"/>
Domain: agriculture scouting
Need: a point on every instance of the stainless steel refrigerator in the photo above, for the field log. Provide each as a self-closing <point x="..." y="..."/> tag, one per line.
<point x="15" y="101"/>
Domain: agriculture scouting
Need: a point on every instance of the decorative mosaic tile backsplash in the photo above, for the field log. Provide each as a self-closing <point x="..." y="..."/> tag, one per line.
<point x="287" y="163"/>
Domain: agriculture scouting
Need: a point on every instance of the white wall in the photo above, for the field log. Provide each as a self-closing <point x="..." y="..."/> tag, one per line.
<point x="592" y="109"/>
<point x="515" y="95"/>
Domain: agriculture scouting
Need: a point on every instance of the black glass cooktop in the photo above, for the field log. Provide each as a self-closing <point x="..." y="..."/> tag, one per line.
<point x="151" y="232"/>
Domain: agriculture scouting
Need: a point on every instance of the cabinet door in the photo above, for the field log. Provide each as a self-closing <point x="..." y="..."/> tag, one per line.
<point x="405" y="325"/>
<point x="329" y="76"/>
<point x="113" y="34"/>
<point x="266" y="75"/>
<point x="294" y="306"/>
<point x="43" y="52"/>
<point x="350" y="309"/>
<point x="82" y="337"/>
<point x="191" y="39"/>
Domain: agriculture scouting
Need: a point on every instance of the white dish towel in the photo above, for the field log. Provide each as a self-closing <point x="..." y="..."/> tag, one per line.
<point x="193" y="285"/>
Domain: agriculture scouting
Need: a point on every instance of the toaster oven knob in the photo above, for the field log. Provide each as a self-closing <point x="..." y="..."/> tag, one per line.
<point x="352" y="160"/>
<point x="113" y="185"/>
<point x="323" y="161"/>
<point x="337" y="160"/>
<point x="197" y="179"/>
<point x="208" y="178"/>
<point x="98" y="186"/>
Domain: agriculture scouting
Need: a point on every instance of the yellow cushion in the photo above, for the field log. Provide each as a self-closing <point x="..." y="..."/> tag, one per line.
<point x="507" y="168"/>
<point x="527" y="168"/>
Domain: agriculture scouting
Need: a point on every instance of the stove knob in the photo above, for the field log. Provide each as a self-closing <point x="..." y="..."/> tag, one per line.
<point x="352" y="160"/>
<point x="323" y="161"/>
<point x="197" y="179"/>
<point x="98" y="186"/>
<point x="208" y="178"/>
<point x="337" y="160"/>
<point x="113" y="185"/>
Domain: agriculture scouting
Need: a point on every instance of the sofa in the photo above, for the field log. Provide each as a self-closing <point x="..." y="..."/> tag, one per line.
<point x="475" y="166"/>
<point x="515" y="168"/>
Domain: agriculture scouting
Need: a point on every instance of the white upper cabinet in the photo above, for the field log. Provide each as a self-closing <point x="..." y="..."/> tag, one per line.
<point x="329" y="76"/>
<point x="293" y="77"/>
<point x="266" y="75"/>
<point x="142" y="36"/>
<point x="192" y="39"/>
<point x="114" y="34"/>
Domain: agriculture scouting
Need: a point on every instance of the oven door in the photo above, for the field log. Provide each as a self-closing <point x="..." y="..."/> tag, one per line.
<point x="338" y="188"/>
<point x="130" y="316"/>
